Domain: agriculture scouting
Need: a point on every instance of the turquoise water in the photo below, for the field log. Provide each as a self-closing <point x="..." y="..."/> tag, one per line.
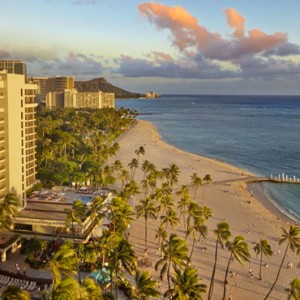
<point x="258" y="133"/>
<point x="84" y="199"/>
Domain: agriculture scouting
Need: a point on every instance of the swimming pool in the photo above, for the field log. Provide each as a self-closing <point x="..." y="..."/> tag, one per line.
<point x="84" y="199"/>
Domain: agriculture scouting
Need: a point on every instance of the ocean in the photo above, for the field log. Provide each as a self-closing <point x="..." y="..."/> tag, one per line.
<point x="260" y="134"/>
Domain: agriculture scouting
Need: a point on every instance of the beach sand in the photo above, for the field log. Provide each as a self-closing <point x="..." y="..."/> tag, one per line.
<point x="229" y="200"/>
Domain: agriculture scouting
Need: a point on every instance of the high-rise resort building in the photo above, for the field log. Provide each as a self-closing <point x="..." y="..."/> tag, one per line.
<point x="41" y="88"/>
<point x="59" y="84"/>
<point x="39" y="215"/>
<point x="13" y="66"/>
<point x="17" y="130"/>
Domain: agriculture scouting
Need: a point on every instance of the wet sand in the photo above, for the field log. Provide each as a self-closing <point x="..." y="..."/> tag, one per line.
<point x="229" y="200"/>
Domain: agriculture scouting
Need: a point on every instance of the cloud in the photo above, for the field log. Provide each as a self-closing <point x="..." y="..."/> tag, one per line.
<point x="187" y="33"/>
<point x="284" y="50"/>
<point x="198" y="68"/>
<point x="235" y="21"/>
<point x="77" y="64"/>
<point x="206" y="54"/>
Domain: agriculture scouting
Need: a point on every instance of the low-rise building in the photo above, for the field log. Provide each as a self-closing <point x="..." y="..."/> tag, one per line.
<point x="71" y="98"/>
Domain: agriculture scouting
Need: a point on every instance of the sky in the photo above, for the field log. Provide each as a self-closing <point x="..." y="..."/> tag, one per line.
<point x="170" y="47"/>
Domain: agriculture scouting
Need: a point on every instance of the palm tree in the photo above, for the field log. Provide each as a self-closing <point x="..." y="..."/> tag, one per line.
<point x="76" y="214"/>
<point x="205" y="212"/>
<point x="91" y="289"/>
<point x="147" y="167"/>
<point x="117" y="166"/>
<point x="63" y="264"/>
<point x="193" y="213"/>
<point x="145" y="286"/>
<point x="294" y="290"/>
<point x="122" y="256"/>
<point x="238" y="250"/>
<point x="139" y="152"/>
<point x="207" y="179"/>
<point x="8" y="209"/>
<point x="36" y="250"/>
<point x="147" y="209"/>
<point x="14" y="292"/>
<point x="184" y="202"/>
<point x="172" y="175"/>
<point x="10" y="204"/>
<point x="123" y="177"/>
<point x="97" y="209"/>
<point x="66" y="289"/>
<point x="133" y="165"/>
<point x="198" y="229"/>
<point x="170" y="218"/>
<point x="293" y="242"/>
<point x="161" y="234"/>
<point x="130" y="190"/>
<point x="196" y="181"/>
<point x="165" y="202"/>
<point x="263" y="248"/>
<point x="174" y="253"/>
<point x="122" y="214"/>
<point x="222" y="233"/>
<point x="187" y="285"/>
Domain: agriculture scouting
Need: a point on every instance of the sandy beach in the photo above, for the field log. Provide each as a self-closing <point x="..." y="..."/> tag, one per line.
<point x="229" y="200"/>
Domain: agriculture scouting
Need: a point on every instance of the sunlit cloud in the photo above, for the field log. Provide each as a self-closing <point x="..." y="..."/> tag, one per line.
<point x="246" y="53"/>
<point x="235" y="21"/>
<point x="186" y="32"/>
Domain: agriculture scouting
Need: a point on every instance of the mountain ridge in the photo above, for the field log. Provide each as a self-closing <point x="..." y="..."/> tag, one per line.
<point x="100" y="83"/>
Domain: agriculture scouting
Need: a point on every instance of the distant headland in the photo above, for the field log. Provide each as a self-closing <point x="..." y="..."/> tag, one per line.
<point x="103" y="85"/>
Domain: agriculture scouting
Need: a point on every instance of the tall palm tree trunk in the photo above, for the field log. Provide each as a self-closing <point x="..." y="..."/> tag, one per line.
<point x="211" y="286"/>
<point x="226" y="274"/>
<point x="193" y="246"/>
<point x="76" y="253"/>
<point x="146" y="236"/>
<point x="169" y="279"/>
<point x="260" y="263"/>
<point x="279" y="270"/>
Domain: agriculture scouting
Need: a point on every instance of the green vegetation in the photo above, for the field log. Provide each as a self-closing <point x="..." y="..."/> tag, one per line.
<point x="75" y="147"/>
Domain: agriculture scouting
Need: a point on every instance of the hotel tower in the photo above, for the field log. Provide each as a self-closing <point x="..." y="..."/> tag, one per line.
<point x="17" y="130"/>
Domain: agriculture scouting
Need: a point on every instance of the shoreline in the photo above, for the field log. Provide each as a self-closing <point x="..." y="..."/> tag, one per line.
<point x="229" y="199"/>
<point x="266" y="200"/>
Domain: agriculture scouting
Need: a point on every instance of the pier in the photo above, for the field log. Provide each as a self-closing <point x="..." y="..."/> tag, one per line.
<point x="254" y="179"/>
<point x="281" y="178"/>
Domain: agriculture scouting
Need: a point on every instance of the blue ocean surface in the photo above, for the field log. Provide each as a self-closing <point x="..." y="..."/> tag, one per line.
<point x="258" y="133"/>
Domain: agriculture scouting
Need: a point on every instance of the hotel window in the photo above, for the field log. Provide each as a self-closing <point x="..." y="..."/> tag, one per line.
<point x="21" y="92"/>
